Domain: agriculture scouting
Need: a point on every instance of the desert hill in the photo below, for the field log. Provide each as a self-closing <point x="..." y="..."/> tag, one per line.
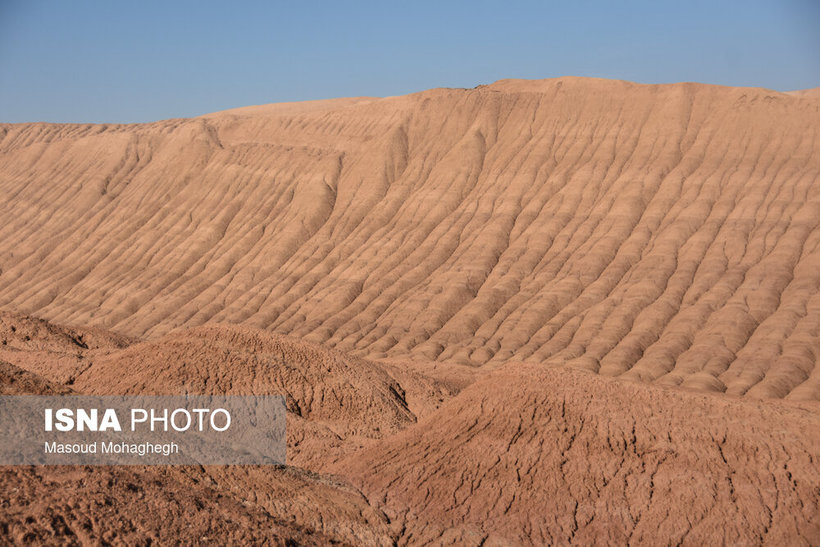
<point x="664" y="233"/>
<point x="18" y="381"/>
<point x="813" y="93"/>
<point x="214" y="504"/>
<point x="551" y="456"/>
<point x="74" y="505"/>
<point x="20" y="332"/>
<point x="133" y="505"/>
<point x="557" y="311"/>
<point x="524" y="453"/>
<point x="335" y="403"/>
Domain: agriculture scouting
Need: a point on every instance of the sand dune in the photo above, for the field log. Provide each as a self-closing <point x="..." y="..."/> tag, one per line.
<point x="662" y="233"/>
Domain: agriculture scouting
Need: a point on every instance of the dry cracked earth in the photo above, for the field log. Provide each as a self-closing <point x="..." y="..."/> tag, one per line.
<point x="569" y="311"/>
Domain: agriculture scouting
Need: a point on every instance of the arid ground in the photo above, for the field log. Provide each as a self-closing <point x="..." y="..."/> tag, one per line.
<point x="533" y="312"/>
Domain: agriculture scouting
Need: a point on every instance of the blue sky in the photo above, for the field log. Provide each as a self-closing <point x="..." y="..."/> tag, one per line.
<point x="129" y="61"/>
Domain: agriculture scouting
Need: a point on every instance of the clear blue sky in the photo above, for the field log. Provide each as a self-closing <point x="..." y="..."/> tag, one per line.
<point x="135" y="60"/>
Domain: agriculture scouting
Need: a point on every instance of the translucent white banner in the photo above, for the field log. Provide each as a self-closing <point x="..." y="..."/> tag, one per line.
<point x="142" y="430"/>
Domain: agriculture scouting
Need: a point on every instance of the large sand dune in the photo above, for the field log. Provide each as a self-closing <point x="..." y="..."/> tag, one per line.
<point x="441" y="285"/>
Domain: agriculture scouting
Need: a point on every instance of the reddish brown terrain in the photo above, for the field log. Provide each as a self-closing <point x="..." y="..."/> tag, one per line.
<point x="561" y="311"/>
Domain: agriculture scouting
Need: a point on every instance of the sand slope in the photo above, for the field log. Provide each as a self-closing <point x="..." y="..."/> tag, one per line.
<point x="663" y="233"/>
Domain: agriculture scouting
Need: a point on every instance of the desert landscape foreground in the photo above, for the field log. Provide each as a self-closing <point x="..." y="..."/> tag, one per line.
<point x="534" y="312"/>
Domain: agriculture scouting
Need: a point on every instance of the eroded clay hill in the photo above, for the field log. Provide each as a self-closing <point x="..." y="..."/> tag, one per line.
<point x="80" y="505"/>
<point x="523" y="454"/>
<point x="336" y="405"/>
<point x="550" y="456"/>
<point x="666" y="233"/>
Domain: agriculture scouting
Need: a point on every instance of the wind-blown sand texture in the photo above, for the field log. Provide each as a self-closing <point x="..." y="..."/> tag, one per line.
<point x="440" y="284"/>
